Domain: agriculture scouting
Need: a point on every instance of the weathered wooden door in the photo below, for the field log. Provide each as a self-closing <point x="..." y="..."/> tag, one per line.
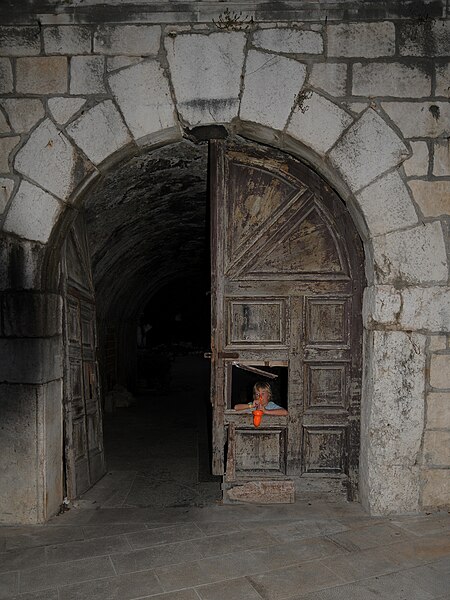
<point x="83" y="435"/>
<point x="286" y="290"/>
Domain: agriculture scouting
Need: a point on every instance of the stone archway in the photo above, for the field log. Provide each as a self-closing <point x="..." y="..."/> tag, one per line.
<point x="360" y="155"/>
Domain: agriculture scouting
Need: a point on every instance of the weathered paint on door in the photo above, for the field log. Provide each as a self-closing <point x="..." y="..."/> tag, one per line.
<point x="83" y="443"/>
<point x="287" y="275"/>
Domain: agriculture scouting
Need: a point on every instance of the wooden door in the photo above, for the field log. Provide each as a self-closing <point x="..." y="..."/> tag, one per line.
<point x="83" y="443"/>
<point x="287" y="269"/>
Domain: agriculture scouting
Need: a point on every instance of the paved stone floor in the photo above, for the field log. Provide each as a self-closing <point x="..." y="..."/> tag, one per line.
<point x="153" y="528"/>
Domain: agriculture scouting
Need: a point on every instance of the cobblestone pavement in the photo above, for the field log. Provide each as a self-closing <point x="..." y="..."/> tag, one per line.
<point x="153" y="527"/>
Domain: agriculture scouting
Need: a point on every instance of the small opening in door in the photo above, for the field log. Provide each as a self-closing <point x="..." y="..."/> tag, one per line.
<point x="241" y="382"/>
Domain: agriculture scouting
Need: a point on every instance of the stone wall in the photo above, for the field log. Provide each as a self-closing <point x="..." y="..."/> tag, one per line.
<point x="364" y="99"/>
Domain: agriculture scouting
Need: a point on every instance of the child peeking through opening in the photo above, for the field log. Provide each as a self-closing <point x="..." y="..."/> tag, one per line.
<point x="262" y="399"/>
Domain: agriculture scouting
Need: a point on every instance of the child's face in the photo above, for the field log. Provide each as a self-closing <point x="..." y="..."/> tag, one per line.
<point x="264" y="395"/>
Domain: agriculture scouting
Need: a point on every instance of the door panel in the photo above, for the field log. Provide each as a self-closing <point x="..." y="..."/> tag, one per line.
<point x="83" y="444"/>
<point x="287" y="275"/>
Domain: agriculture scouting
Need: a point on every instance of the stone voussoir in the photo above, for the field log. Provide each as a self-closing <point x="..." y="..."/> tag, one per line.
<point x="206" y="75"/>
<point x="271" y="87"/>
<point x="367" y="149"/>
<point x="318" y="123"/>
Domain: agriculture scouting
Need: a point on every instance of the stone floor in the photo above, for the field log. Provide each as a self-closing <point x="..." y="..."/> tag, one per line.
<point x="153" y="527"/>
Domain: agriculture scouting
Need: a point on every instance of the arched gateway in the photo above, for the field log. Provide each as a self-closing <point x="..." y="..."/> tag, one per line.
<point x="287" y="269"/>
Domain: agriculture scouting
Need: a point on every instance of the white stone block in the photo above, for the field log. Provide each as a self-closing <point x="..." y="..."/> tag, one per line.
<point x="440" y="371"/>
<point x="113" y="63"/>
<point x="63" y="109"/>
<point x="386" y="205"/>
<point x="41" y="75"/>
<point x="6" y="76"/>
<point x="67" y="39"/>
<point x="6" y="188"/>
<point x="390" y="79"/>
<point x="441" y="164"/>
<point x="100" y="132"/>
<point x="329" y="77"/>
<point x="433" y="197"/>
<point x="49" y="159"/>
<point x="367" y="40"/>
<point x="438" y="410"/>
<point x="271" y="87"/>
<point x="437" y="342"/>
<point x="416" y="255"/>
<point x="86" y="75"/>
<point x="443" y="79"/>
<point x="427" y="37"/>
<point x="318" y="123"/>
<point x="143" y="95"/>
<point x="366" y="150"/>
<point x="23" y="113"/>
<point x="289" y="41"/>
<point x="417" y="165"/>
<point x="435" y="488"/>
<point x="206" y="75"/>
<point x="436" y="445"/>
<point x="7" y="145"/>
<point x="398" y="397"/>
<point x="381" y="306"/>
<point x="4" y="127"/>
<point x="32" y="213"/>
<point x="420" y="119"/>
<point x="393" y="489"/>
<point x="127" y="40"/>
<point x="20" y="41"/>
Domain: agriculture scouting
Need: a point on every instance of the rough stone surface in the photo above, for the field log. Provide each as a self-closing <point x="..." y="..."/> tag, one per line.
<point x="441" y="164"/>
<point x="411" y="309"/>
<point x="42" y="75"/>
<point x="366" y="40"/>
<point x="443" y="79"/>
<point x="49" y="159"/>
<point x="19" y="41"/>
<point x="289" y="41"/>
<point x="438" y="410"/>
<point x="390" y="79"/>
<point x="433" y="197"/>
<point x="417" y="255"/>
<point x="63" y="109"/>
<point x="100" y="132"/>
<point x="23" y="113"/>
<point x="440" y="371"/>
<point x="206" y="75"/>
<point x="386" y="205"/>
<point x="393" y="422"/>
<point x="144" y="113"/>
<point x="113" y="63"/>
<point x="318" y="123"/>
<point x="366" y="150"/>
<point x="30" y="360"/>
<point x="4" y="127"/>
<point x="417" y="165"/>
<point x="271" y="86"/>
<point x="86" y="75"/>
<point x="20" y="264"/>
<point x="6" y="76"/>
<point x="28" y="314"/>
<point x="437" y="342"/>
<point x="420" y="119"/>
<point x="436" y="448"/>
<point x="32" y="213"/>
<point x="330" y="77"/>
<point x="6" y="188"/>
<point x="429" y="37"/>
<point x="7" y="144"/>
<point x="436" y="488"/>
<point x="67" y="40"/>
<point x="131" y="40"/>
